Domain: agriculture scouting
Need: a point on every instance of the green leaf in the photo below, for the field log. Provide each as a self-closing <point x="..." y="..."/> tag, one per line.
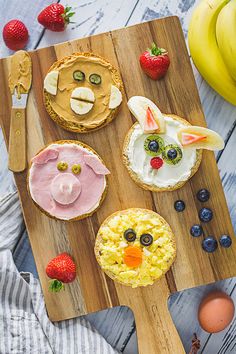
<point x="56" y="286"/>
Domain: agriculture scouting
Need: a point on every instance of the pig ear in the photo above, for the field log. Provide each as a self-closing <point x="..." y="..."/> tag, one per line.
<point x="44" y="156"/>
<point x="96" y="165"/>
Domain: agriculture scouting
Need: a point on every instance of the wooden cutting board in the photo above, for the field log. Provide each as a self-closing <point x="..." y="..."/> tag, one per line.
<point x="176" y="93"/>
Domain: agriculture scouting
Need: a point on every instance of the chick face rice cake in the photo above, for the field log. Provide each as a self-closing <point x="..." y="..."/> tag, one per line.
<point x="135" y="247"/>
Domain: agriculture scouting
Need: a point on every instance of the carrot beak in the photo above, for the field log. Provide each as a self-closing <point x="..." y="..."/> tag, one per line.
<point x="132" y="256"/>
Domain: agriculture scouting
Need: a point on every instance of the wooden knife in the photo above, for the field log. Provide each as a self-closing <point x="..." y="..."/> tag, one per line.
<point x="20" y="79"/>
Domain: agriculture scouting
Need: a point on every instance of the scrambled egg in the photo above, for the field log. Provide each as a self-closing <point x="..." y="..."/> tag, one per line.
<point x="156" y="258"/>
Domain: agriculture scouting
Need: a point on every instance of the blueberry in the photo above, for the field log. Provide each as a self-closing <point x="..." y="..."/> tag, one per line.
<point x="196" y="230"/>
<point x="209" y="244"/>
<point x="225" y="241"/>
<point x="203" y="195"/>
<point x="179" y="205"/>
<point x="172" y="154"/>
<point x="153" y="146"/>
<point x="205" y="214"/>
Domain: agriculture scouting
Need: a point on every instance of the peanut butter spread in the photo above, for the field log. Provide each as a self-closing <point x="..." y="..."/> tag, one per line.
<point x="60" y="102"/>
<point x="20" y="72"/>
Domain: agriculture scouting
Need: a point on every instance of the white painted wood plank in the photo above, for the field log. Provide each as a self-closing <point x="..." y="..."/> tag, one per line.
<point x="132" y="345"/>
<point x="183" y="307"/>
<point x="227" y="166"/>
<point x="115" y="324"/>
<point x="25" y="11"/>
<point x="94" y="16"/>
<point x="99" y="16"/>
<point x="7" y="184"/>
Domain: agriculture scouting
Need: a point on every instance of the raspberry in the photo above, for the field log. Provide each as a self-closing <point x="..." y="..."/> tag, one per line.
<point x="156" y="162"/>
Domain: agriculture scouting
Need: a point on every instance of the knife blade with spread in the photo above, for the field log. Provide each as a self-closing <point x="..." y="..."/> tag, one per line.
<point x="20" y="79"/>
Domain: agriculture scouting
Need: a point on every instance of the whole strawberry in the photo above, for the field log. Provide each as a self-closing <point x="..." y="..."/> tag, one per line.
<point x="155" y="62"/>
<point x="15" y="35"/>
<point x="55" y="17"/>
<point x="62" y="270"/>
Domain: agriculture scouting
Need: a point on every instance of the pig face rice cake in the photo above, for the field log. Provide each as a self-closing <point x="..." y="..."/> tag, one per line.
<point x="67" y="180"/>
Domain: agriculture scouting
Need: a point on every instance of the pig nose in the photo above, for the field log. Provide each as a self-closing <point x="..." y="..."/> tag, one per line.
<point x="65" y="188"/>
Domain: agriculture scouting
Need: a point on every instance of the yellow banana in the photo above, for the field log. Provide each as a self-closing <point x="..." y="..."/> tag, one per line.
<point x="204" y="49"/>
<point x="226" y="36"/>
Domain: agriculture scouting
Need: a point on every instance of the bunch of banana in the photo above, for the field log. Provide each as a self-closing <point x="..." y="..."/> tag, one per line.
<point x="212" y="44"/>
<point x="226" y="36"/>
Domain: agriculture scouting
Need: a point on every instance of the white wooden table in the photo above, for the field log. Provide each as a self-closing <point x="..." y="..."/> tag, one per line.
<point x="95" y="16"/>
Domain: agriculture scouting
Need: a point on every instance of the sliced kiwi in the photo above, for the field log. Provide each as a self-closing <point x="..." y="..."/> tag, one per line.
<point x="78" y="75"/>
<point x="154" y="145"/>
<point x="95" y="79"/>
<point x="172" y="154"/>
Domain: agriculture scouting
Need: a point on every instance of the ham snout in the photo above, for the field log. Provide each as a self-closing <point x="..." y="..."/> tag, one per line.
<point x="65" y="188"/>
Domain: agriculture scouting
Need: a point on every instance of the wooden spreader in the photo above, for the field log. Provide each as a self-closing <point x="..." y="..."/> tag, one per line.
<point x="176" y="93"/>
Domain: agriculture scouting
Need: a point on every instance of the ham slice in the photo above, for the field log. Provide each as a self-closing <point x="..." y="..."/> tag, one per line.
<point x="44" y="156"/>
<point x="65" y="188"/>
<point x="64" y="194"/>
<point x="97" y="166"/>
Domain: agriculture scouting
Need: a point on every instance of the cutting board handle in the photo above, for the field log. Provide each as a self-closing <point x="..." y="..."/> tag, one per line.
<point x="17" y="141"/>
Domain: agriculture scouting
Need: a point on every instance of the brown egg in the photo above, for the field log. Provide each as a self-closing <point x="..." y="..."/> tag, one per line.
<point x="215" y="312"/>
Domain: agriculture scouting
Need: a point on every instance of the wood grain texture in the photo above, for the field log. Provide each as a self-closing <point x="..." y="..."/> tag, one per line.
<point x="176" y="94"/>
<point x="17" y="141"/>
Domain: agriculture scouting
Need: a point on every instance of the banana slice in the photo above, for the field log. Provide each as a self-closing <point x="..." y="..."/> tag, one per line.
<point x="80" y="107"/>
<point x="50" y="82"/>
<point x="115" y="97"/>
<point x="82" y="100"/>
<point x="83" y="94"/>
<point x="139" y="106"/>
<point x="200" y="138"/>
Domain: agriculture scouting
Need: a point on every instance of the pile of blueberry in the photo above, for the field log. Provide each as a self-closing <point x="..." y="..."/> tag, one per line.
<point x="209" y="244"/>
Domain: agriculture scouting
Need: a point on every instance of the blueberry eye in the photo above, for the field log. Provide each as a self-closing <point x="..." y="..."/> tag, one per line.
<point x="130" y="235"/>
<point x="154" y="145"/>
<point x="172" y="154"/>
<point x="146" y="239"/>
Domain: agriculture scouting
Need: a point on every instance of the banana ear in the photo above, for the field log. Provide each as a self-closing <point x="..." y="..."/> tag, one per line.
<point x="147" y="114"/>
<point x="115" y="97"/>
<point x="51" y="82"/>
<point x="200" y="138"/>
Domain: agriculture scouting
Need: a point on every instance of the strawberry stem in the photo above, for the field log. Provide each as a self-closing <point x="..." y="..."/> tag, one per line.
<point x="56" y="286"/>
<point x="155" y="50"/>
<point x="67" y="14"/>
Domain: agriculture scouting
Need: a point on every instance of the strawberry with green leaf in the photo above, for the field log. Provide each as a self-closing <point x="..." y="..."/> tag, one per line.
<point x="155" y="62"/>
<point x="55" y="17"/>
<point x="61" y="269"/>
